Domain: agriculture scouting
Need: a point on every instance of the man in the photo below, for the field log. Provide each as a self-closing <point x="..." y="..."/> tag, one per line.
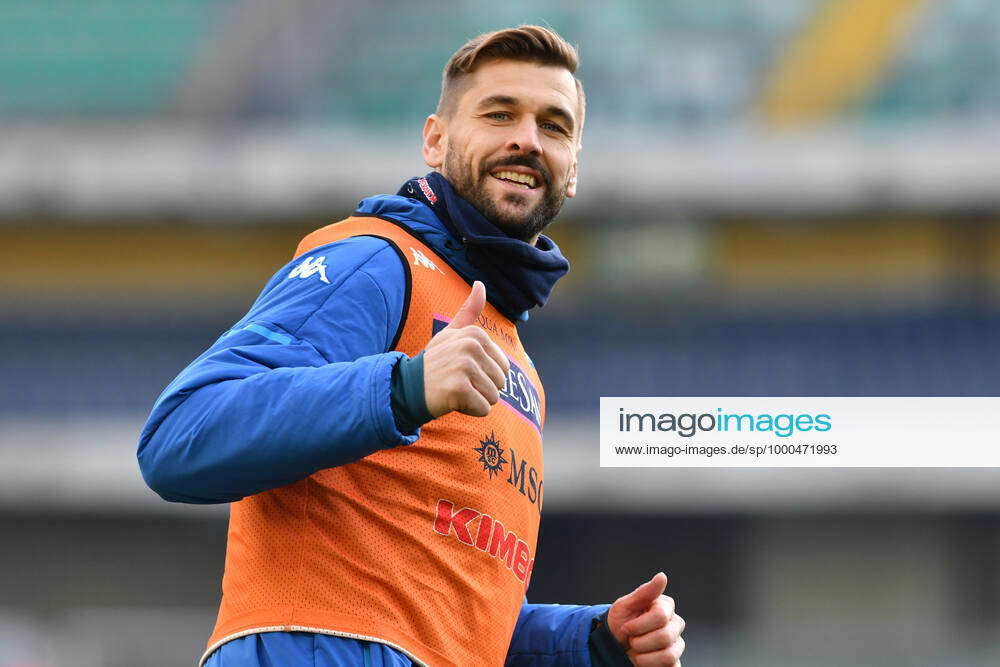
<point x="361" y="415"/>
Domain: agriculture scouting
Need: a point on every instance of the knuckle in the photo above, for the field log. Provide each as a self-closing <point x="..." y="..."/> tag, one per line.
<point x="650" y="659"/>
<point x="474" y="333"/>
<point x="661" y="615"/>
<point x="472" y="406"/>
<point x="455" y="399"/>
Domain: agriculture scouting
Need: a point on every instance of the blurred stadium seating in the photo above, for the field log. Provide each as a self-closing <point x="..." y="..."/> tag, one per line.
<point x="736" y="234"/>
<point x="100" y="58"/>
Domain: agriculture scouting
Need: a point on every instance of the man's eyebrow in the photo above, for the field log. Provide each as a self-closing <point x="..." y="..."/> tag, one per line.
<point x="559" y="112"/>
<point x="494" y="100"/>
<point x="508" y="101"/>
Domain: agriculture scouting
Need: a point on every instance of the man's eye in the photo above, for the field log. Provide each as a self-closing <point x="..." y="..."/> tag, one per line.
<point x="498" y="115"/>
<point x="553" y="127"/>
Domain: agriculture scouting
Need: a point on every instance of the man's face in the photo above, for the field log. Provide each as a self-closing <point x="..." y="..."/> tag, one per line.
<point x="515" y="122"/>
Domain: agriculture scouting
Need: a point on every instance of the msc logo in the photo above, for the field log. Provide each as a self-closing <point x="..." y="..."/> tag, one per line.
<point x="521" y="475"/>
<point x="310" y="267"/>
<point x="491" y="455"/>
<point x="420" y="259"/>
<point x="521" y="472"/>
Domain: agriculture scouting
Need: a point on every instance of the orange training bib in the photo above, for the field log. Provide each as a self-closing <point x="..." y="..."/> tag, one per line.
<point x="427" y="547"/>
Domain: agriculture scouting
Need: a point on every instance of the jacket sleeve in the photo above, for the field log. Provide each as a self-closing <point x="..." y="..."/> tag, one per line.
<point x="553" y="635"/>
<point x="300" y="384"/>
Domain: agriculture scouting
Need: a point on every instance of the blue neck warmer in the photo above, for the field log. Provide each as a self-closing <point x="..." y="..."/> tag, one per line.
<point x="521" y="275"/>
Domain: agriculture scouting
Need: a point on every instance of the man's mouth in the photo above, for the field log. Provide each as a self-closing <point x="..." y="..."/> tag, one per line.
<point x="526" y="181"/>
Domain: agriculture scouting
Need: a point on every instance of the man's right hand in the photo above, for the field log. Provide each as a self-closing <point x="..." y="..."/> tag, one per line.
<point x="464" y="369"/>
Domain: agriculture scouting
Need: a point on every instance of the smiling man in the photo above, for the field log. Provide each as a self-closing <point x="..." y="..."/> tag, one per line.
<point x="506" y="136"/>
<point x="376" y="423"/>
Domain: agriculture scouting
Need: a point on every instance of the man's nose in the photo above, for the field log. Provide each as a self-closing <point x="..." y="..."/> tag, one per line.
<point x="525" y="137"/>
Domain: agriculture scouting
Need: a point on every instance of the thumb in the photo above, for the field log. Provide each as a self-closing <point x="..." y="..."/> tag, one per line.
<point x="645" y="595"/>
<point x="471" y="309"/>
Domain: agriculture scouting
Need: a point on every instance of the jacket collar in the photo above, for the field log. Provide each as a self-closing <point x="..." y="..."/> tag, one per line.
<point x="517" y="275"/>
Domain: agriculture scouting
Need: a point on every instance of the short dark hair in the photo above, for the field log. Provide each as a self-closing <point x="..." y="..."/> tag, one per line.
<point x="527" y="43"/>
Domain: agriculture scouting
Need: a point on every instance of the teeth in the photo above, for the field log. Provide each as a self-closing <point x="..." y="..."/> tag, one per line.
<point x="527" y="179"/>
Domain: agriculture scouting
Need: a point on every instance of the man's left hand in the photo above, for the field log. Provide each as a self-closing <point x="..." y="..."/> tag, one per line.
<point x="645" y="624"/>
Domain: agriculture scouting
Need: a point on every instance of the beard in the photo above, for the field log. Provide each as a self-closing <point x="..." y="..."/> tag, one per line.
<point x="472" y="188"/>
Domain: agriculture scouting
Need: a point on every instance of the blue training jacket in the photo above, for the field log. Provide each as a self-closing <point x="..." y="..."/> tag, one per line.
<point x="301" y="384"/>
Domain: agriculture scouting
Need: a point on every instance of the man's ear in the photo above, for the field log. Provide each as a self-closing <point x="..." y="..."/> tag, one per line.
<point x="571" y="182"/>
<point x="435" y="141"/>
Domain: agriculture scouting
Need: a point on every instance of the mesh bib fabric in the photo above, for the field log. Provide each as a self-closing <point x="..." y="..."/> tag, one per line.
<point x="428" y="547"/>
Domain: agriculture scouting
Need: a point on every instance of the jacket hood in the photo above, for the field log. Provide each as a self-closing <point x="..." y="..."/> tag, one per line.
<point x="421" y="219"/>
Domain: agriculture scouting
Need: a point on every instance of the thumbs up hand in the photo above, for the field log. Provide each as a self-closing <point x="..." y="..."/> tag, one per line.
<point x="464" y="369"/>
<point x="645" y="624"/>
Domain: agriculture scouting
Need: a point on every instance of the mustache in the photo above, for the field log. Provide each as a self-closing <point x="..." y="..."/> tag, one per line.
<point x="519" y="161"/>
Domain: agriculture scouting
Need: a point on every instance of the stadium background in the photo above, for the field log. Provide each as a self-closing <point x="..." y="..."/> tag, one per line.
<point x="777" y="197"/>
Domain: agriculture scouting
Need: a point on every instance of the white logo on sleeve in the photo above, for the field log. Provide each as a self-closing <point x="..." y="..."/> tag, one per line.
<point x="310" y="267"/>
<point x="420" y="259"/>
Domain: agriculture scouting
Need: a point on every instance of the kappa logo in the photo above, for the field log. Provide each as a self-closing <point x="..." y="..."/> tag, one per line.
<point x="310" y="267"/>
<point x="491" y="455"/>
<point x="420" y="259"/>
